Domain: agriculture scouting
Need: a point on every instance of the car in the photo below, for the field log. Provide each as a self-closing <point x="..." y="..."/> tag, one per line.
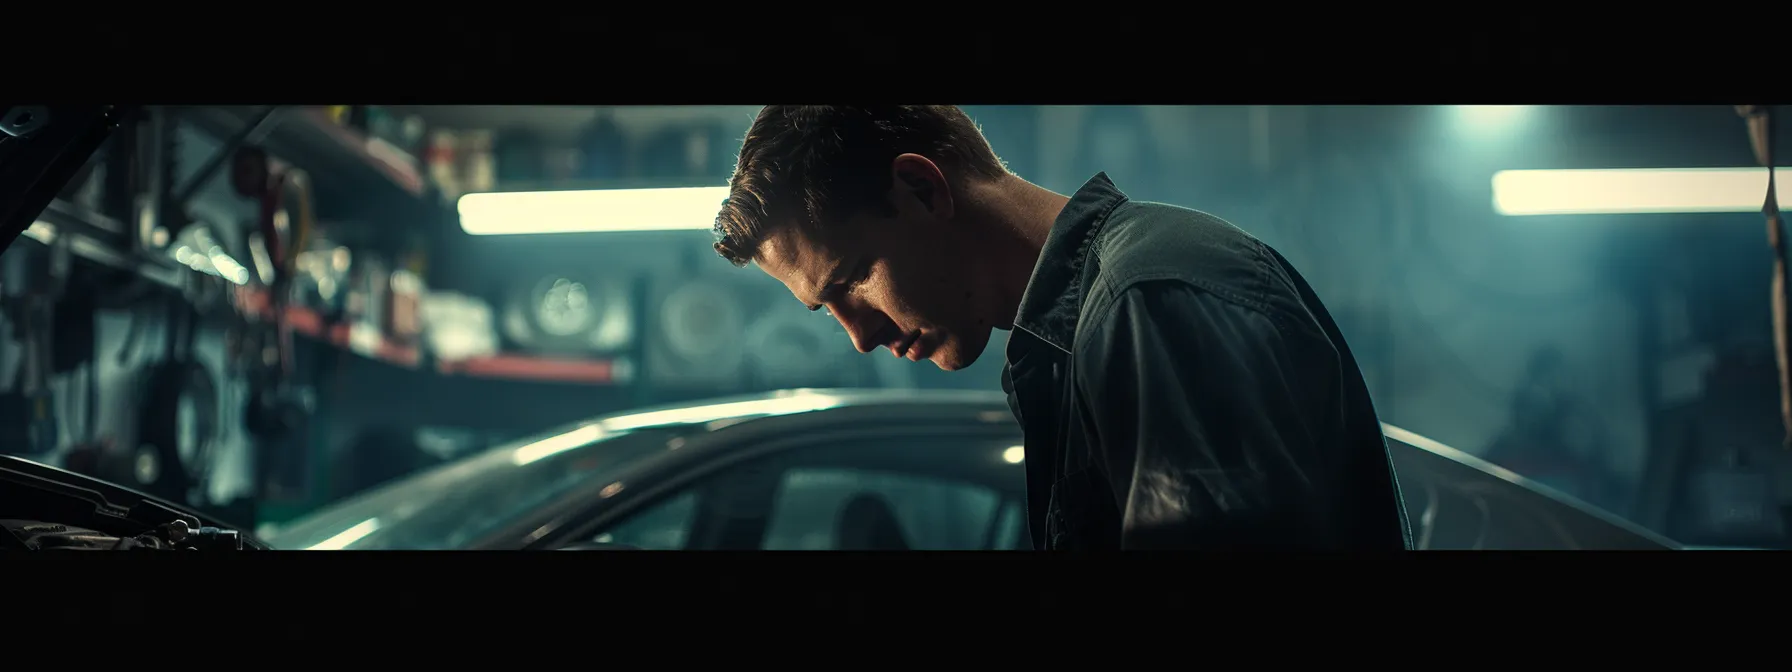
<point x="871" y="469"/>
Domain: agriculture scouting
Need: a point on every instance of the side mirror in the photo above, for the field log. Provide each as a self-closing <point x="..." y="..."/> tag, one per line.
<point x="598" y="546"/>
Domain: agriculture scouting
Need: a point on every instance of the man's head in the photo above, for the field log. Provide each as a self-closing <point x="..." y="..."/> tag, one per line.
<point x="869" y="213"/>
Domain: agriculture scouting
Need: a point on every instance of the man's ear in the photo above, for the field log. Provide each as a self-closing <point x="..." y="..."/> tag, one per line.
<point x="917" y="178"/>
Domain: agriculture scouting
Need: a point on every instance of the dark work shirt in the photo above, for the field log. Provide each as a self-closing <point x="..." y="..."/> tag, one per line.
<point x="1180" y="386"/>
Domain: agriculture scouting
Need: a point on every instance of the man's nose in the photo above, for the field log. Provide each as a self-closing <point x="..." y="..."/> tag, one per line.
<point x="863" y="325"/>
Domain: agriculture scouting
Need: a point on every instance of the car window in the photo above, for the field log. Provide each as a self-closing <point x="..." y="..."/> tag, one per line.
<point x="662" y="527"/>
<point x="930" y="495"/>
<point x="449" y="506"/>
<point x="826" y="509"/>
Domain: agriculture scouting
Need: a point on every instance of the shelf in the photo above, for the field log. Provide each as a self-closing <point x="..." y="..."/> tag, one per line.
<point x="368" y="342"/>
<point x="363" y="340"/>
<point x="96" y="239"/>
<point x="337" y="158"/>
<point x="544" y="369"/>
<point x="85" y="233"/>
<point x="66" y="214"/>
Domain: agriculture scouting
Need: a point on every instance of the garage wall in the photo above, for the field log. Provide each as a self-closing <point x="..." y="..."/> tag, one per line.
<point x="1444" y="301"/>
<point x="122" y="361"/>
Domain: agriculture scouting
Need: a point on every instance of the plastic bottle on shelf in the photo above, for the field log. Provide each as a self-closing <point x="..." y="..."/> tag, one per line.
<point x="444" y="168"/>
<point x="479" y="169"/>
<point x="403" y="318"/>
<point x="367" y="300"/>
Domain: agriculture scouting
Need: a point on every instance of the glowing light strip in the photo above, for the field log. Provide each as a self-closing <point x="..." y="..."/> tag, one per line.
<point x="1639" y="191"/>
<point x="600" y="211"/>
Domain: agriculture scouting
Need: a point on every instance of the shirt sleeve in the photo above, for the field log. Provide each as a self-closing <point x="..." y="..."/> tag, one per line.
<point x="1205" y="414"/>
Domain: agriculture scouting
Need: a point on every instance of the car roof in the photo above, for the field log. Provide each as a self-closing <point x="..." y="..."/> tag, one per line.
<point x="731" y="416"/>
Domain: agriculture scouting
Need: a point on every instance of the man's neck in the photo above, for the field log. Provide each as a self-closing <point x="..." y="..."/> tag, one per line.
<point x="1020" y="216"/>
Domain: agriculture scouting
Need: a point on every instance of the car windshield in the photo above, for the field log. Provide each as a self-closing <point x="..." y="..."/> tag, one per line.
<point x="459" y="502"/>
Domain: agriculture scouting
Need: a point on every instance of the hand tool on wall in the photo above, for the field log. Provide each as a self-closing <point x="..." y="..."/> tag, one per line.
<point x="177" y="420"/>
<point x="32" y="285"/>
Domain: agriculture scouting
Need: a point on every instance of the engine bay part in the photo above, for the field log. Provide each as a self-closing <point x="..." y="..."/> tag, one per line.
<point x="32" y="535"/>
<point x="45" y="508"/>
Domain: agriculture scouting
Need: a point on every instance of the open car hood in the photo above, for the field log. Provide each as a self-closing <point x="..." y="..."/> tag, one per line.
<point x="39" y="492"/>
<point x="41" y="148"/>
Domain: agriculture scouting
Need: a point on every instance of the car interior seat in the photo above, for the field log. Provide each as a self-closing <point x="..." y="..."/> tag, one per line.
<point x="869" y="524"/>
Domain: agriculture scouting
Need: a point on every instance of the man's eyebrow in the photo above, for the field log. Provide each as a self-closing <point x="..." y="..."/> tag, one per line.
<point x="830" y="287"/>
<point x="827" y="293"/>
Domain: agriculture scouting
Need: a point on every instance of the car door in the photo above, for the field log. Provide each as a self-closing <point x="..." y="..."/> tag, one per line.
<point x="879" y="490"/>
<point x="1457" y="501"/>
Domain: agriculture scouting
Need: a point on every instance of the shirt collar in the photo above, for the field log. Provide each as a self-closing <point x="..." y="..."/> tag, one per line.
<point x="1054" y="295"/>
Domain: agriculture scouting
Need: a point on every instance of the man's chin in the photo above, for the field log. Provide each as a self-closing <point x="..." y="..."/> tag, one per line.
<point x="957" y="353"/>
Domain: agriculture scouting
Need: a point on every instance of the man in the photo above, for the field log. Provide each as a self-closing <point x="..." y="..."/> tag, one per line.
<point x="1178" y="383"/>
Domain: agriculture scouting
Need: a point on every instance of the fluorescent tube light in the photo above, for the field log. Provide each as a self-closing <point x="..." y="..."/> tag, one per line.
<point x="1491" y="116"/>
<point x="1638" y="191"/>
<point x="599" y="211"/>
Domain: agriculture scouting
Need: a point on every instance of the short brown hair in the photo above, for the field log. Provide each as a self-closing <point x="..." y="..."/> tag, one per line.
<point x="814" y="163"/>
